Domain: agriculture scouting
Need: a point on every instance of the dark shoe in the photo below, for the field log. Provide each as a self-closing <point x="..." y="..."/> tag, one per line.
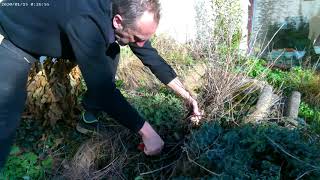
<point x="89" y="124"/>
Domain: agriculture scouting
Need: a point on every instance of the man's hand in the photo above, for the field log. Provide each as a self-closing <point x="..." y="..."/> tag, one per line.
<point x="153" y="143"/>
<point x="195" y="114"/>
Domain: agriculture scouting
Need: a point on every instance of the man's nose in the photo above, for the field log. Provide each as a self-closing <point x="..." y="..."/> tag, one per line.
<point x="140" y="44"/>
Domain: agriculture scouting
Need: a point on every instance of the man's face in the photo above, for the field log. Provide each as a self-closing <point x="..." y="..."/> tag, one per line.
<point x="145" y="27"/>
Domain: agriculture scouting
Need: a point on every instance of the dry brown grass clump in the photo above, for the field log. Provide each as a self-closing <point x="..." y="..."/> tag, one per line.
<point x="132" y="72"/>
<point x="100" y="157"/>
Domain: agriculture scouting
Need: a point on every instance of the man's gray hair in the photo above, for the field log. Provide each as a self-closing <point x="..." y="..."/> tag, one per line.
<point x="131" y="10"/>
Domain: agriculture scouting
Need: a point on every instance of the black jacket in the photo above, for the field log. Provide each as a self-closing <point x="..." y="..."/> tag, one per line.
<point x="80" y="29"/>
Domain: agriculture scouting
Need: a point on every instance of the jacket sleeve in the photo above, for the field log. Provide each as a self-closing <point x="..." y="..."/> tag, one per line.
<point x="150" y="58"/>
<point x="89" y="47"/>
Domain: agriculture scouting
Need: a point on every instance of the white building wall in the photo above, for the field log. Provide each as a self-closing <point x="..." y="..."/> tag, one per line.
<point x="186" y="20"/>
<point x="178" y="19"/>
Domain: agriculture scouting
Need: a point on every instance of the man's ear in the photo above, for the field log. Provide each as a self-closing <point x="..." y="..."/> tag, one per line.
<point x="117" y="22"/>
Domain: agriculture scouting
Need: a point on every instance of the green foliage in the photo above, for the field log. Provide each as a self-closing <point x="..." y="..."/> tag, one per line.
<point x="251" y="152"/>
<point x="305" y="81"/>
<point x="312" y="115"/>
<point x="236" y="39"/>
<point x="258" y="68"/>
<point x="25" y="165"/>
<point x="307" y="112"/>
<point x="315" y="125"/>
<point x="182" y="59"/>
<point x="299" y="77"/>
<point x="35" y="141"/>
<point x="162" y="108"/>
<point x="126" y="52"/>
<point x="276" y="77"/>
<point x="227" y="17"/>
<point x="119" y="84"/>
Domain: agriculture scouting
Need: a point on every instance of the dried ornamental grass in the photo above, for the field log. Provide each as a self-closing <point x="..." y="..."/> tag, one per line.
<point x="53" y="89"/>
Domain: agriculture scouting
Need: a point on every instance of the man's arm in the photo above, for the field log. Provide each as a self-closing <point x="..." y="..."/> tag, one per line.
<point x="150" y="58"/>
<point x="179" y="89"/>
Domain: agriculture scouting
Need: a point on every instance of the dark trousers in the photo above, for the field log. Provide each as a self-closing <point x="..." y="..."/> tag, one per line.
<point x="14" y="68"/>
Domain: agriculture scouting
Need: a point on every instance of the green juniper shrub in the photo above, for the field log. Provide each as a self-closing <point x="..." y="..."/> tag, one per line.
<point x="251" y="152"/>
<point x="163" y="109"/>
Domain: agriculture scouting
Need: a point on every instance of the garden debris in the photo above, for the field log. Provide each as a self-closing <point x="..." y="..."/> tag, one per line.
<point x="293" y="105"/>
<point x="263" y="105"/>
<point x="292" y="110"/>
<point x="286" y="54"/>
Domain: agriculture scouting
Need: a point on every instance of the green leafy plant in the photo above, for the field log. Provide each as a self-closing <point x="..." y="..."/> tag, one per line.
<point x="311" y="115"/>
<point x="257" y="67"/>
<point x="276" y="77"/>
<point x="297" y="79"/>
<point x="25" y="165"/>
<point x="306" y="111"/>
